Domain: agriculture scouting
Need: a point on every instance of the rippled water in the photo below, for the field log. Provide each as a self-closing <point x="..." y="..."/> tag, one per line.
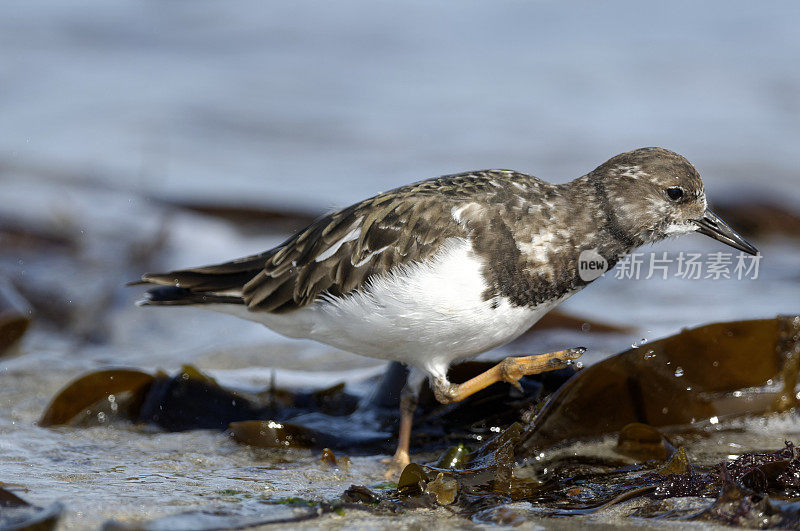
<point x="107" y="108"/>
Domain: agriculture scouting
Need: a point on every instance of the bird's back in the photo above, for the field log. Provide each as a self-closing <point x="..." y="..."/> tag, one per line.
<point x="338" y="253"/>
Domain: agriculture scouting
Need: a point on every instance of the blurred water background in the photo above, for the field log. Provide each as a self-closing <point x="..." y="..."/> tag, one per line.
<point x="111" y="114"/>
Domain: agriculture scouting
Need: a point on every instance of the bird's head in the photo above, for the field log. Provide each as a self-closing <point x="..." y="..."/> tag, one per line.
<point x="655" y="193"/>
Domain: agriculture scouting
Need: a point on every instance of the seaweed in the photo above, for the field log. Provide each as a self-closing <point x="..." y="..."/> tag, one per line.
<point x="682" y="385"/>
<point x="192" y="401"/>
<point x="642" y="442"/>
<point x="725" y="491"/>
<point x="74" y="402"/>
<point x="713" y="372"/>
<point x="279" y="418"/>
<point x="772" y="471"/>
<point x="329" y="459"/>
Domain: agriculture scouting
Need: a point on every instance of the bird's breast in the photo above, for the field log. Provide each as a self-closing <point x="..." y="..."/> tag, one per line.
<point x="433" y="308"/>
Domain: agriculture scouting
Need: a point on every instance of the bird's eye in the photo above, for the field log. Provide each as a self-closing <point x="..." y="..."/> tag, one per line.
<point x="675" y="194"/>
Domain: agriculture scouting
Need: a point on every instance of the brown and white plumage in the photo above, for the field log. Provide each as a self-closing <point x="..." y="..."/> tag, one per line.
<point x="451" y="267"/>
<point x="339" y="252"/>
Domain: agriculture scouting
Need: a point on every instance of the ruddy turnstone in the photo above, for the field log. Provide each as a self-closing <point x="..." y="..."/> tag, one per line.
<point x="448" y="268"/>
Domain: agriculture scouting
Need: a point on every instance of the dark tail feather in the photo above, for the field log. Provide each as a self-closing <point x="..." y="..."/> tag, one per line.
<point x="218" y="277"/>
<point x="175" y="296"/>
<point x="220" y="283"/>
<point x="201" y="282"/>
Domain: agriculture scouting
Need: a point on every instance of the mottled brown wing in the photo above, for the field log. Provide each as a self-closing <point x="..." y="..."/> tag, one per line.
<point x="339" y="252"/>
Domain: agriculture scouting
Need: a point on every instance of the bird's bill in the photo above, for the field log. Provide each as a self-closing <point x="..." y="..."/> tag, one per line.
<point x="711" y="225"/>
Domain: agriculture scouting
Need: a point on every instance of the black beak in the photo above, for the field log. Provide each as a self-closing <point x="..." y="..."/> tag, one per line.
<point x="711" y="225"/>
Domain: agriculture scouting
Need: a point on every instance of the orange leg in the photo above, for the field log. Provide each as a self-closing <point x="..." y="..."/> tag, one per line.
<point x="408" y="405"/>
<point x="509" y="370"/>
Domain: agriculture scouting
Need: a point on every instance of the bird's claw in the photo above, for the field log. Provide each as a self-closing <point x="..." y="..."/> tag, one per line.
<point x="575" y="353"/>
<point x="397" y="464"/>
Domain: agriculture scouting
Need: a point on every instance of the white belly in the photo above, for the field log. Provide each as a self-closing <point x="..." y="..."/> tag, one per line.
<point x="423" y="314"/>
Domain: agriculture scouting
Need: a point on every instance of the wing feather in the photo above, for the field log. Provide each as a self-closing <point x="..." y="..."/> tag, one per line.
<point x="338" y="253"/>
<point x="382" y="231"/>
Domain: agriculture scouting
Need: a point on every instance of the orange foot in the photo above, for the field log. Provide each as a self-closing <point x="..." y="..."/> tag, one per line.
<point x="397" y="463"/>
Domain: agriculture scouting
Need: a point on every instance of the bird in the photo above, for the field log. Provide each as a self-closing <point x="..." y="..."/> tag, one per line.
<point x="447" y="268"/>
